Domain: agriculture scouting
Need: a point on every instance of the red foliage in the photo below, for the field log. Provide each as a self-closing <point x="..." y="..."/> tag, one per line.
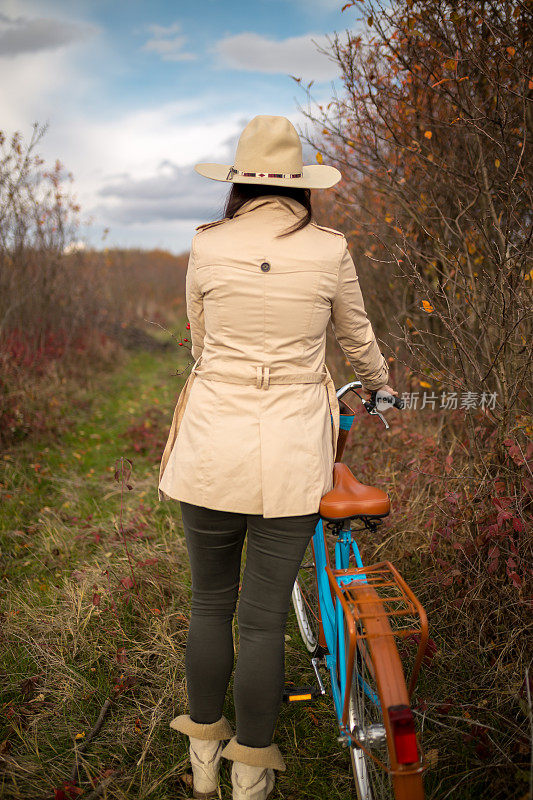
<point x="147" y="433"/>
<point x="67" y="791"/>
<point x="20" y="348"/>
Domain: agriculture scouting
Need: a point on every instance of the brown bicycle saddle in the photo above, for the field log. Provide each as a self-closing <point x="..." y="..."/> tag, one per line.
<point x="350" y="498"/>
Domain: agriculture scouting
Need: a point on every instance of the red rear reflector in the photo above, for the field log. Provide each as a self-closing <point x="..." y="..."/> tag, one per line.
<point x="403" y="730"/>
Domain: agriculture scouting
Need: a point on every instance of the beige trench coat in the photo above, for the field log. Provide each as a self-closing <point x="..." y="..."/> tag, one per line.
<point x="255" y="426"/>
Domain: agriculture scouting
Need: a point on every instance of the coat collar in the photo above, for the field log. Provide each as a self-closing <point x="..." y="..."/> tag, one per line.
<point x="274" y="201"/>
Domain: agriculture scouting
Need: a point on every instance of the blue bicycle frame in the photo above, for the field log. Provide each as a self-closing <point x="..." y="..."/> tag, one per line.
<point x="330" y="608"/>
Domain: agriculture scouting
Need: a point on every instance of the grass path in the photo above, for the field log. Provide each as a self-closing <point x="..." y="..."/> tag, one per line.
<point x="95" y="601"/>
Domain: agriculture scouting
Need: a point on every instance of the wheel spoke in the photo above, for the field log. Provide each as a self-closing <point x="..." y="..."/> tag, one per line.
<point x="366" y="723"/>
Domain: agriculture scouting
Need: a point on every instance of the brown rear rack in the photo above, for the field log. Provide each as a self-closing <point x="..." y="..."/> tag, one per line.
<point x="405" y="613"/>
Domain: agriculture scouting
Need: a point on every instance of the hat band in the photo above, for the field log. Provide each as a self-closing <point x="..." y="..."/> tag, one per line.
<point x="233" y="171"/>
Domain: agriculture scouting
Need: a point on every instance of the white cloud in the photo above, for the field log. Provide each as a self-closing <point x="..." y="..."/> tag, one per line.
<point x="137" y="167"/>
<point x="133" y="169"/>
<point x="42" y="87"/>
<point x="297" y="55"/>
<point x="170" y="193"/>
<point x="22" y="35"/>
<point x="165" y="30"/>
<point x="167" y="43"/>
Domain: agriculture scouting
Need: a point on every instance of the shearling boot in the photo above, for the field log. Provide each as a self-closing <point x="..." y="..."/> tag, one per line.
<point x="205" y="750"/>
<point x="251" y="783"/>
<point x="252" y="773"/>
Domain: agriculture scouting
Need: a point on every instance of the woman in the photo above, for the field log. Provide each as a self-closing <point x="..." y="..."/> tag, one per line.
<point x="257" y="443"/>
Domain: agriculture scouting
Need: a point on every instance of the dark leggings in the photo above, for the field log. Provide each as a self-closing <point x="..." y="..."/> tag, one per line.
<point x="274" y="551"/>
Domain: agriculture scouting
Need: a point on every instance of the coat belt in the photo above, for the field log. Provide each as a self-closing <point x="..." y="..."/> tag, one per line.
<point x="263" y="377"/>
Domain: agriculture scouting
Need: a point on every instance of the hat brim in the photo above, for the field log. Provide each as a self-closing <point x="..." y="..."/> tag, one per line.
<point x="315" y="176"/>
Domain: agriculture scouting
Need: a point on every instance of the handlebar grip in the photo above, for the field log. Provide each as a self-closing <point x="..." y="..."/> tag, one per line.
<point x="397" y="402"/>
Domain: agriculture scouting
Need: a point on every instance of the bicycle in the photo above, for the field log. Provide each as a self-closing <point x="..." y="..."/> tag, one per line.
<point x="349" y="618"/>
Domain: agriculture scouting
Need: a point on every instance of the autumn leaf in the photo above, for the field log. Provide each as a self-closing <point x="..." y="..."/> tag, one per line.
<point x="80" y="735"/>
<point x="516" y="579"/>
<point x="313" y="717"/>
<point x="426" y="305"/>
<point x="27" y="687"/>
<point x="425" y="385"/>
<point x="511" y="50"/>
<point x="319" y="158"/>
<point x="186" y="777"/>
<point x="428" y="134"/>
<point x="497" y="163"/>
<point x="67" y="791"/>
<point x="124" y="684"/>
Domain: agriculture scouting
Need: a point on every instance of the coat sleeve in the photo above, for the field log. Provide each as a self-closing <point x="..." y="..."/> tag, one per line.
<point x="352" y="327"/>
<point x="195" y="307"/>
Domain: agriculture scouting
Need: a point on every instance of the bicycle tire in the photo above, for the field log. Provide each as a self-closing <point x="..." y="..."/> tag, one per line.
<point x="379" y="665"/>
<point x="305" y="601"/>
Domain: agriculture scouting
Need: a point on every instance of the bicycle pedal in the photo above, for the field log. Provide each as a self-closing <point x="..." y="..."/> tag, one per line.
<point x="299" y="694"/>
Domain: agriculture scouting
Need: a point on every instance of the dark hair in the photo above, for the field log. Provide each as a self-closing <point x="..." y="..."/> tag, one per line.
<point x="241" y="192"/>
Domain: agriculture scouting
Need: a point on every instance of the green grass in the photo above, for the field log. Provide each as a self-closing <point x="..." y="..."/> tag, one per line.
<point x="74" y="628"/>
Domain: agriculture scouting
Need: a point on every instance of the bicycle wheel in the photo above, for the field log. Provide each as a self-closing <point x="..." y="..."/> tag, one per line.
<point x="378" y="685"/>
<point x="305" y="600"/>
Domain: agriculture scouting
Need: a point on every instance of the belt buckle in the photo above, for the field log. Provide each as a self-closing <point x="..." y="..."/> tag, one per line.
<point x="262" y="377"/>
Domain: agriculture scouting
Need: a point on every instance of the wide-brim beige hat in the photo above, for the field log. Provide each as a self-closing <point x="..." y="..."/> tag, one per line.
<point x="269" y="151"/>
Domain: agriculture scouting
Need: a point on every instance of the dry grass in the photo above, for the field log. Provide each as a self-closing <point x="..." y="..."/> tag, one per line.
<point x="86" y="621"/>
<point x="78" y="636"/>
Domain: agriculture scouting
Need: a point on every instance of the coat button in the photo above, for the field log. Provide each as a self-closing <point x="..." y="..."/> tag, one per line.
<point x="265" y="266"/>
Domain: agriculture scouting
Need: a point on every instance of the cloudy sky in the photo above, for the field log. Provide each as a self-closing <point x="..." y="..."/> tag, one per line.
<point x="135" y="92"/>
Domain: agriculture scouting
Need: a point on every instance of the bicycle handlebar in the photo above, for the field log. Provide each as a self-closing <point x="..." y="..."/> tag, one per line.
<point x="371" y="406"/>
